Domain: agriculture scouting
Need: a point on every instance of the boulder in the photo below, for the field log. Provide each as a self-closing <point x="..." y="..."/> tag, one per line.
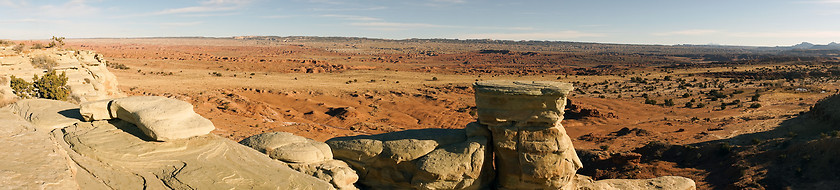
<point x="46" y="115"/>
<point x="665" y="182"/>
<point x="417" y="159"/>
<point x="337" y="172"/>
<point x="30" y="158"/>
<point x="96" y="110"/>
<point x="288" y="147"/>
<point x="304" y="155"/>
<point x="160" y="118"/>
<point x="456" y="166"/>
<point x="116" y="154"/>
<point x="531" y="148"/>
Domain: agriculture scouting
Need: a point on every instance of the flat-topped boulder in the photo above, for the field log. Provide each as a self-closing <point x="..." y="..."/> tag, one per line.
<point x="531" y="102"/>
<point x="160" y="118"/>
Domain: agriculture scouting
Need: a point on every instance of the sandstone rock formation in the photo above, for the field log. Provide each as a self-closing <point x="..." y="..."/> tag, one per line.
<point x="88" y="76"/>
<point x="531" y="147"/>
<point x="160" y="118"/>
<point x="30" y="158"/>
<point x="418" y="159"/>
<point x="46" y="115"/>
<point x="7" y="95"/>
<point x="304" y="155"/>
<point x="116" y="154"/>
<point x="664" y="182"/>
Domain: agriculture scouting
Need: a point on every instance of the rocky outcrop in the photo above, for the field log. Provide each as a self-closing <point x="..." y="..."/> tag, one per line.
<point x="418" y="159"/>
<point x="304" y="155"/>
<point x="46" y="115"/>
<point x="30" y="158"/>
<point x="160" y="118"/>
<point x="116" y="154"/>
<point x="531" y="147"/>
<point x="88" y="76"/>
<point x="664" y="182"/>
<point x="7" y="95"/>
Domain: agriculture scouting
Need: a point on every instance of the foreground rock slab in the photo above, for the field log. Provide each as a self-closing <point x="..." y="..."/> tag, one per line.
<point x="117" y="155"/>
<point x="46" y="115"/>
<point x="160" y="118"/>
<point x="30" y="158"/>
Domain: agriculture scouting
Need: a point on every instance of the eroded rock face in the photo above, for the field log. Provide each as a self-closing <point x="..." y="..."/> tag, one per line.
<point x="160" y="118"/>
<point x="117" y="155"/>
<point x="30" y="158"/>
<point x="7" y="95"/>
<point x="418" y="159"/>
<point x="304" y="155"/>
<point x="87" y="73"/>
<point x="532" y="149"/>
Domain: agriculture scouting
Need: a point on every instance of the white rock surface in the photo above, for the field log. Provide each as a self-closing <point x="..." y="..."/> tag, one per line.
<point x="160" y="118"/>
<point x="116" y="155"/>
<point x="46" y="115"/>
<point x="31" y="159"/>
<point x="288" y="147"/>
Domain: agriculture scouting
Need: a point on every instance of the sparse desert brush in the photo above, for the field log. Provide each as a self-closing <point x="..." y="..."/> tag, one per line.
<point x="44" y="62"/>
<point x="119" y="66"/>
<point x="37" y="46"/>
<point x="6" y="42"/>
<point x="50" y="86"/>
<point x="56" y="42"/>
<point x="19" y="48"/>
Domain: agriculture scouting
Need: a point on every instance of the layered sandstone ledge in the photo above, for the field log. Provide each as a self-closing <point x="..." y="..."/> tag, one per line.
<point x="160" y="143"/>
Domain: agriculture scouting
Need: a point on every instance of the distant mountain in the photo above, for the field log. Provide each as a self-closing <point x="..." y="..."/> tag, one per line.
<point x="831" y="45"/>
<point x="803" y="45"/>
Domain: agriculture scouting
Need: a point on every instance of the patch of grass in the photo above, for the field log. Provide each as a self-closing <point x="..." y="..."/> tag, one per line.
<point x="44" y="62"/>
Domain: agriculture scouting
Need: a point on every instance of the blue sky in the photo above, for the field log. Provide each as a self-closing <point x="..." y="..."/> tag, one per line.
<point x="729" y="22"/>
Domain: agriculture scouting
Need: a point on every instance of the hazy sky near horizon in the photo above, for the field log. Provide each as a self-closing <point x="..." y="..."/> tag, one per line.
<point x="727" y="22"/>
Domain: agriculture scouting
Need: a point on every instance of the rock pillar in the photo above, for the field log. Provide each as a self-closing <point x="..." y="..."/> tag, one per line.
<point x="532" y="150"/>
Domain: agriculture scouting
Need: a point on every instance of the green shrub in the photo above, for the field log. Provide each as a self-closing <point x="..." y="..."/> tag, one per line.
<point x="668" y="102"/>
<point x="22" y="88"/>
<point x="755" y="105"/>
<point x="50" y="86"/>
